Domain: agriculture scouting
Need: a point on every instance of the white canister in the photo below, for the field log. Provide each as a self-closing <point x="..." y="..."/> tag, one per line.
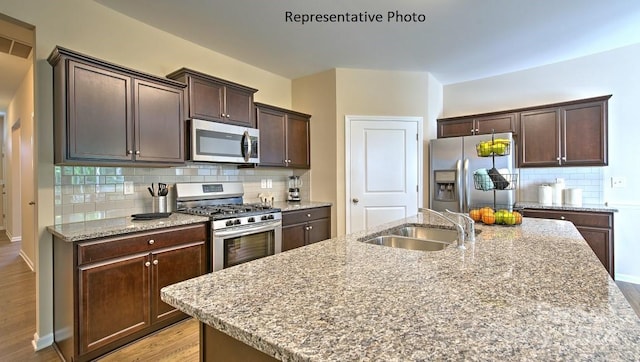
<point x="557" y="192"/>
<point x="545" y="195"/>
<point x="573" y="197"/>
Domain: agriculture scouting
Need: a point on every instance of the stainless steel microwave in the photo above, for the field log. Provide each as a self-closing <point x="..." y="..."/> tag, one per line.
<point x="220" y="142"/>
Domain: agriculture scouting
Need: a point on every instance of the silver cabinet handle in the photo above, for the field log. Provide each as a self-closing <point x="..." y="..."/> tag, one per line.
<point x="155" y="262"/>
<point x="562" y="218"/>
<point x="558" y="159"/>
<point x="129" y="152"/>
<point x="308" y="215"/>
<point x="151" y="241"/>
<point x="137" y="152"/>
<point x="355" y="200"/>
<point x="147" y="264"/>
<point x="310" y="227"/>
<point x="472" y="131"/>
<point x="564" y="158"/>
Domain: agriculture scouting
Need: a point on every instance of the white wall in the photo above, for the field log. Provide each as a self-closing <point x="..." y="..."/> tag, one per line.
<point x="614" y="72"/>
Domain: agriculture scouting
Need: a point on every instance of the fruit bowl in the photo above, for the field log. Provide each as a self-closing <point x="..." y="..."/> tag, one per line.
<point x="496" y="216"/>
<point x="496" y="147"/>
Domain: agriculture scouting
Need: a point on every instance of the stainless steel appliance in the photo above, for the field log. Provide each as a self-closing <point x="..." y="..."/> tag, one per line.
<point x="452" y="165"/>
<point x="220" y="142"/>
<point x="240" y="232"/>
<point x="294" y="188"/>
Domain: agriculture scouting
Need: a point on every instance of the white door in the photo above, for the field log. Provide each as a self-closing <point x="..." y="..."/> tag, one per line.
<point x="383" y="169"/>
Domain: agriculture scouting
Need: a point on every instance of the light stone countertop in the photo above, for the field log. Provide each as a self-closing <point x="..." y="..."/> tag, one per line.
<point x="293" y="206"/>
<point x="530" y="292"/>
<point x="79" y="231"/>
<point x="584" y="207"/>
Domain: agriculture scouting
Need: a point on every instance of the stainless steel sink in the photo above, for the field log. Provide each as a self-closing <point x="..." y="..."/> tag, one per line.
<point x="403" y="242"/>
<point x="427" y="233"/>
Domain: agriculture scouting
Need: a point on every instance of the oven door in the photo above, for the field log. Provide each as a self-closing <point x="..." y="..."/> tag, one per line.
<point x="240" y="245"/>
<point x="219" y="142"/>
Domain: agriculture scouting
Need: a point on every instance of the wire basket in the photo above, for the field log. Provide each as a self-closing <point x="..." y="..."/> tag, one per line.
<point x="494" y="180"/>
<point x="497" y="147"/>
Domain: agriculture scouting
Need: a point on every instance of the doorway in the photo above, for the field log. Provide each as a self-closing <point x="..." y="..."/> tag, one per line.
<point x="383" y="169"/>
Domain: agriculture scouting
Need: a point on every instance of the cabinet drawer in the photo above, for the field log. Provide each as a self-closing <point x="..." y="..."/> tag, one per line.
<point x="107" y="248"/>
<point x="578" y="218"/>
<point x="299" y="216"/>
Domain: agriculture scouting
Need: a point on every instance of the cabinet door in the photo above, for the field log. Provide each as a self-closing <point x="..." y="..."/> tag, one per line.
<point x="239" y="107"/>
<point x="584" y="131"/>
<point x="99" y="114"/>
<point x="271" y="124"/>
<point x="171" y="266"/>
<point x="293" y="236"/>
<point x="158" y="123"/>
<point x="496" y="123"/>
<point x="600" y="242"/>
<point x="539" y="138"/>
<point x="113" y="300"/>
<point x="206" y="99"/>
<point x="318" y="230"/>
<point x="455" y="128"/>
<point x="298" y="145"/>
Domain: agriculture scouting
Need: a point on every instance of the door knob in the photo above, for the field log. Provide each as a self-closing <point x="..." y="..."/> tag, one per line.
<point x="355" y="200"/>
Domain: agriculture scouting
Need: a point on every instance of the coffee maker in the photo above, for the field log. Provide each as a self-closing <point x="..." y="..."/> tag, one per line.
<point x="294" y="188"/>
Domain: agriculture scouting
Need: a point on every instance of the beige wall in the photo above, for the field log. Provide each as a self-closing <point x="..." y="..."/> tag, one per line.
<point x="613" y="72"/>
<point x="20" y="109"/>
<point x="355" y="92"/>
<point x="316" y="95"/>
<point x="90" y="28"/>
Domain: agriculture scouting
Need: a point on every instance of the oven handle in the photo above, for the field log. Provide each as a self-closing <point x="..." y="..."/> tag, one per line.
<point x="247" y="231"/>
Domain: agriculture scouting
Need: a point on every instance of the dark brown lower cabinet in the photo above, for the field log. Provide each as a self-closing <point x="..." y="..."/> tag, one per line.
<point x="107" y="291"/>
<point x="304" y="227"/>
<point x="595" y="227"/>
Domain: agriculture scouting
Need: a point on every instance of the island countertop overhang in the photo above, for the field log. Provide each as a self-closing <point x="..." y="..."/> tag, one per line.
<point x="531" y="291"/>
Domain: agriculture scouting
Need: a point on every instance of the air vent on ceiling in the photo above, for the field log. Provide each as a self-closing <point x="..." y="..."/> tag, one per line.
<point x="13" y="47"/>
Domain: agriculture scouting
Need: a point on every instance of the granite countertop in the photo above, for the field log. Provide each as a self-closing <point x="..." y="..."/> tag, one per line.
<point x="584" y="207"/>
<point x="79" y="231"/>
<point x="529" y="292"/>
<point x="301" y="205"/>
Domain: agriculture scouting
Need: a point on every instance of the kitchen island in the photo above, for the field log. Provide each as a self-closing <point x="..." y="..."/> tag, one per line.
<point x="530" y="292"/>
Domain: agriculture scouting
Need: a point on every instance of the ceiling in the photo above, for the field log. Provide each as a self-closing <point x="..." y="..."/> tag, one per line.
<point x="459" y="40"/>
<point x="16" y="39"/>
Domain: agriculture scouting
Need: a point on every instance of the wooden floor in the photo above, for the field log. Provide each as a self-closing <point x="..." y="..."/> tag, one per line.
<point x="176" y="343"/>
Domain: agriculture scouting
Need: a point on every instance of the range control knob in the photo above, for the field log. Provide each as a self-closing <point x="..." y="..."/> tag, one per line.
<point x="236" y="222"/>
<point x="264" y="217"/>
<point x="229" y="223"/>
<point x="251" y="219"/>
<point x="270" y="217"/>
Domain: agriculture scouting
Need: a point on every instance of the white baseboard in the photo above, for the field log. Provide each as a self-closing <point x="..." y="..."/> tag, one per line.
<point x="627" y="278"/>
<point x="41" y="342"/>
<point x="12" y="238"/>
<point x="27" y="260"/>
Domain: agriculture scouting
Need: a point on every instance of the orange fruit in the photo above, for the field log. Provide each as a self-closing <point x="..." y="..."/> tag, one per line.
<point x="518" y="217"/>
<point x="486" y="211"/>
<point x="475" y="214"/>
<point x="489" y="219"/>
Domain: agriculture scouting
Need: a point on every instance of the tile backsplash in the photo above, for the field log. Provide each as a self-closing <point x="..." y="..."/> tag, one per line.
<point x="589" y="179"/>
<point x="84" y="193"/>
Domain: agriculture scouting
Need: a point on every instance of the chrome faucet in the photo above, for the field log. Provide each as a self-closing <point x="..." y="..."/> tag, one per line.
<point x="459" y="228"/>
<point x="470" y="232"/>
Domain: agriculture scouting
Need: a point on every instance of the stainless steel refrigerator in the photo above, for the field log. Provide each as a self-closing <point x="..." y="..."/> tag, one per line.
<point x="453" y="162"/>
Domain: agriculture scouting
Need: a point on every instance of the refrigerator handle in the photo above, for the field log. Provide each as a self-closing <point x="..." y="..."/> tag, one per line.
<point x="467" y="186"/>
<point x="459" y="184"/>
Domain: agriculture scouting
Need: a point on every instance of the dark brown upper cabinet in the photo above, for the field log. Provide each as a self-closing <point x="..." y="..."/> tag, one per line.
<point x="108" y="114"/>
<point x="568" y="134"/>
<point x="214" y="99"/>
<point x="477" y="124"/>
<point x="284" y="137"/>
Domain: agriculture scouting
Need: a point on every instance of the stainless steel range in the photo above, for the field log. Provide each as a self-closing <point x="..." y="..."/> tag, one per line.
<point x="240" y="232"/>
